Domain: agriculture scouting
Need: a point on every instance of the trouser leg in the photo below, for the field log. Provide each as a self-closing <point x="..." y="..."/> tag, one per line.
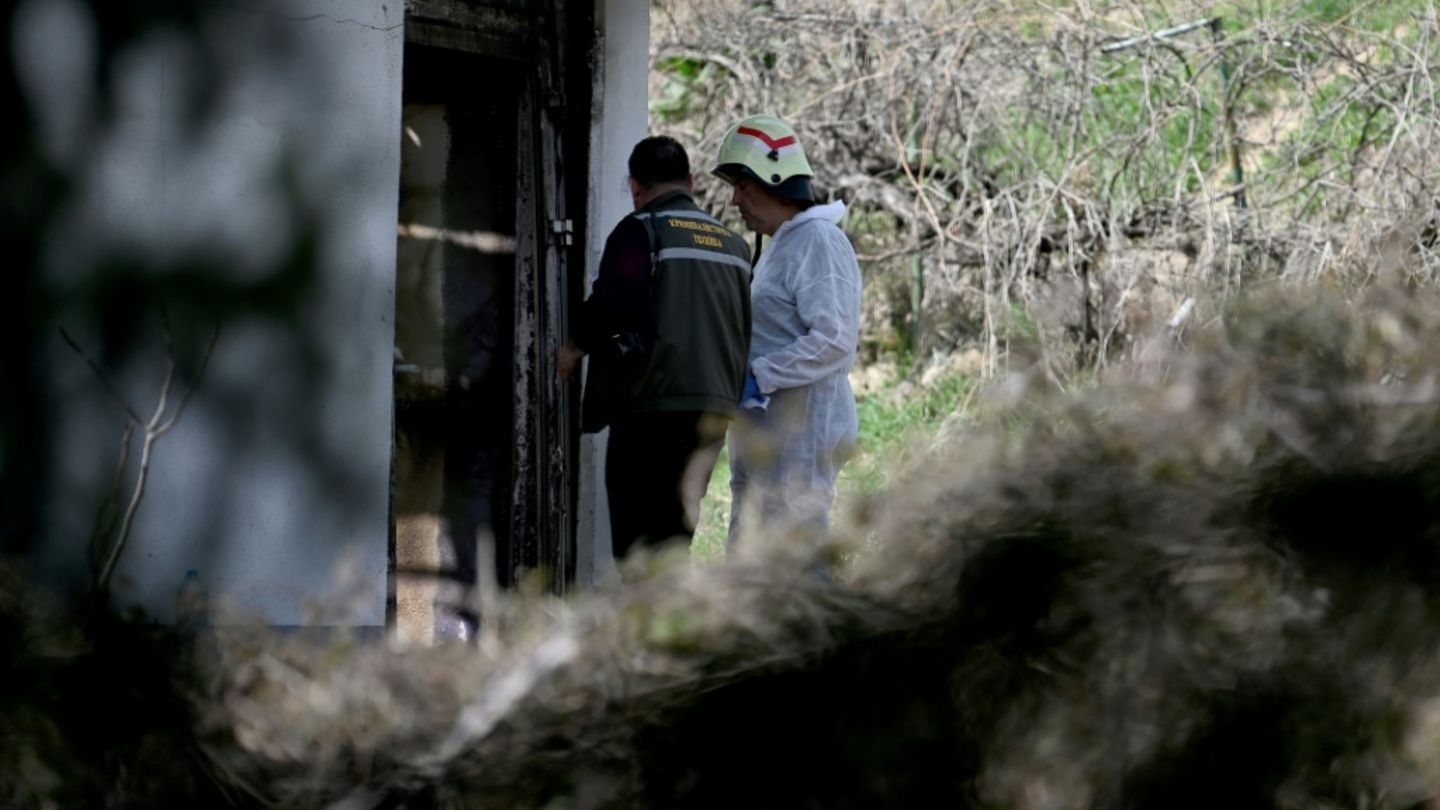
<point x="710" y="432"/>
<point x="744" y="488"/>
<point x="623" y="489"/>
<point x="782" y="475"/>
<point x="471" y="462"/>
<point x="653" y="470"/>
<point x="757" y="444"/>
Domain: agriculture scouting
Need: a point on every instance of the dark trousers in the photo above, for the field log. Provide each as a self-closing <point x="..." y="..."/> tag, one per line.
<point x="657" y="466"/>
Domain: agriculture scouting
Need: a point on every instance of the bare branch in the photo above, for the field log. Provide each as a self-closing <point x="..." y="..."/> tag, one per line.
<point x="158" y="425"/>
<point x="100" y="375"/>
<point x="1016" y="151"/>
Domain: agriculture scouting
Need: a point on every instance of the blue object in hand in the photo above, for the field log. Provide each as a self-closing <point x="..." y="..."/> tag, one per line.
<point x="751" y="399"/>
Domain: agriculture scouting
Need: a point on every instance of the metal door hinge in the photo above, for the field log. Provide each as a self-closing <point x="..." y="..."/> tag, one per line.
<point x="563" y="230"/>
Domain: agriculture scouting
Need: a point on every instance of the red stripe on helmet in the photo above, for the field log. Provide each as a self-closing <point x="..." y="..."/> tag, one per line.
<point x="773" y="143"/>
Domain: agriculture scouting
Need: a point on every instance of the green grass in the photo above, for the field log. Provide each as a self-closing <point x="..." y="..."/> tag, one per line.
<point x="1019" y="146"/>
<point x="892" y="421"/>
<point x="1380" y="15"/>
<point x="1024" y="143"/>
<point x="714" y="514"/>
<point x="680" y="77"/>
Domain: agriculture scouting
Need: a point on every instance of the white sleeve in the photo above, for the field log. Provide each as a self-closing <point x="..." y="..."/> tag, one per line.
<point x="826" y="286"/>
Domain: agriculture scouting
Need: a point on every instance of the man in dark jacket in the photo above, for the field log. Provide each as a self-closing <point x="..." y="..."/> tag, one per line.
<point x="667" y="329"/>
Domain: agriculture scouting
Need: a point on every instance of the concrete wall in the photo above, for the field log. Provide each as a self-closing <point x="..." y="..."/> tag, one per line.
<point x="265" y="140"/>
<point x="622" y="118"/>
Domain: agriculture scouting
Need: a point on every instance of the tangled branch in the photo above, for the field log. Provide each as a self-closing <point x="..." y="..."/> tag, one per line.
<point x="1032" y="164"/>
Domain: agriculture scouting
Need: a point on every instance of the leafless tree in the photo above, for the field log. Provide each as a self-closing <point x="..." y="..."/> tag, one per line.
<point x="1080" y="171"/>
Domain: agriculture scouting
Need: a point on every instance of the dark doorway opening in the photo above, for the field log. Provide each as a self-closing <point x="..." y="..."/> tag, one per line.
<point x="455" y="320"/>
<point x="494" y="178"/>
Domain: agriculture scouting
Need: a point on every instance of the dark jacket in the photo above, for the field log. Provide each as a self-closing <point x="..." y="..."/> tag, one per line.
<point x="667" y="325"/>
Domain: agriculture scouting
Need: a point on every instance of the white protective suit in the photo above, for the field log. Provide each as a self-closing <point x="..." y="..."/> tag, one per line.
<point x="805" y="299"/>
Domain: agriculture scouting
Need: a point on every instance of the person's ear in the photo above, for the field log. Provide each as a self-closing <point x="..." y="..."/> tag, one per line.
<point x="690" y="183"/>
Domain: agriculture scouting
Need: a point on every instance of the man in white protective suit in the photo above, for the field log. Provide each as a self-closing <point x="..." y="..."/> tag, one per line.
<point x="797" y="424"/>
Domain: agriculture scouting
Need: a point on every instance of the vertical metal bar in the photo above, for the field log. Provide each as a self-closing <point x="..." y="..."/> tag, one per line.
<point x="523" y="540"/>
<point x="1237" y="168"/>
<point x="556" y="556"/>
<point x="917" y="306"/>
<point x="1217" y="34"/>
<point x="913" y="157"/>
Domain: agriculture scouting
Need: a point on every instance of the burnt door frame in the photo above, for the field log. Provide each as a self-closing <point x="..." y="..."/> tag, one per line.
<point x="541" y="536"/>
<point x="560" y="407"/>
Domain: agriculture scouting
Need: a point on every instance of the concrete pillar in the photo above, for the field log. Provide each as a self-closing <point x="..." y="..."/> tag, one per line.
<point x="621" y="118"/>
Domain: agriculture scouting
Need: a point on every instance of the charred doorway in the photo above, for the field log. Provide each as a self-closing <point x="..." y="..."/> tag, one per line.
<point x="483" y="429"/>
<point x="454" y="338"/>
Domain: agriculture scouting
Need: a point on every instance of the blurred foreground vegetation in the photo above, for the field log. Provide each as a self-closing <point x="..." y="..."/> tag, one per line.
<point x="1197" y="570"/>
<point x="1208" y="580"/>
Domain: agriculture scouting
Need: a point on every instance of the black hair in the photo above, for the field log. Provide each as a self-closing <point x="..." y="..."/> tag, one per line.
<point x="797" y="190"/>
<point x="658" y="160"/>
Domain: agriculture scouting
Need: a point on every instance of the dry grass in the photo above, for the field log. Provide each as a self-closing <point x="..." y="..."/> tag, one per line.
<point x="1208" y="582"/>
<point x="1229" y="547"/>
<point x="1027" y="169"/>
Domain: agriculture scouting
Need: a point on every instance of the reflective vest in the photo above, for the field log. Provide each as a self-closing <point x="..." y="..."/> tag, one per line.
<point x="696" y="345"/>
